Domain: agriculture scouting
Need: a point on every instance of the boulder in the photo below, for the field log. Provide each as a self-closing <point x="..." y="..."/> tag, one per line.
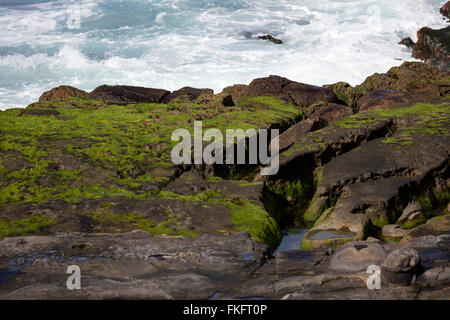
<point x="326" y="115"/>
<point x="400" y="265"/>
<point x="357" y="256"/>
<point x="123" y="95"/>
<point x="388" y="99"/>
<point x="62" y="93"/>
<point x="300" y="94"/>
<point x="433" y="46"/>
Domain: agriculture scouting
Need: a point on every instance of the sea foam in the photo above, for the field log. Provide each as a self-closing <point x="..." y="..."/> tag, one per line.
<point x="173" y="43"/>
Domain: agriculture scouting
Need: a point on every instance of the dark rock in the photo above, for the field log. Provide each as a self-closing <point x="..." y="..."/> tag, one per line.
<point x="388" y="99"/>
<point x="270" y="38"/>
<point x="322" y="117"/>
<point x="433" y="46"/>
<point x="407" y="42"/>
<point x="399" y="266"/>
<point x="445" y="10"/>
<point x="122" y="95"/>
<point x="300" y="94"/>
<point x="326" y="115"/>
<point x="62" y="93"/>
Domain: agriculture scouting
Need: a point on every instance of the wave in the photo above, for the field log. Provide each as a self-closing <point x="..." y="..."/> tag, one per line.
<point x="172" y="43"/>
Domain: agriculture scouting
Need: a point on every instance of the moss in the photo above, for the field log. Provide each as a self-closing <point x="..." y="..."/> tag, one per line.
<point x="27" y="226"/>
<point x="109" y="222"/>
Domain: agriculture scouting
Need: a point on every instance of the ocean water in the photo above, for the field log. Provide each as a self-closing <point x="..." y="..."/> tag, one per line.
<point x="201" y="43"/>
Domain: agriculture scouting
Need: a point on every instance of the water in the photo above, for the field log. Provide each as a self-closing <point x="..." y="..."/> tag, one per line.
<point x="172" y="43"/>
<point x="292" y="240"/>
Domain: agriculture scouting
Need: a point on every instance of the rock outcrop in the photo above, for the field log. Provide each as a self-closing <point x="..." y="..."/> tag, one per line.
<point x="62" y="93"/>
<point x="122" y="95"/>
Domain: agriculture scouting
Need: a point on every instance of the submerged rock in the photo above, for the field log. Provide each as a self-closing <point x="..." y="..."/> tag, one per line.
<point x="407" y="42"/>
<point x="270" y="38"/>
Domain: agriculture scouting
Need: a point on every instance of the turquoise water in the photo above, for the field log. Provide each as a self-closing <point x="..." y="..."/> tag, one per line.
<point x="172" y="43"/>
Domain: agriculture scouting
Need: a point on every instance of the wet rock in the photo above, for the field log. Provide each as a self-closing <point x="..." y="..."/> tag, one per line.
<point x="433" y="46"/>
<point x="300" y="94"/>
<point x="445" y="10"/>
<point x="357" y="256"/>
<point x="394" y="231"/>
<point x="122" y="95"/>
<point x="410" y="212"/>
<point x="186" y="95"/>
<point x="62" y="93"/>
<point x="407" y="42"/>
<point x="400" y="265"/>
<point x="270" y="38"/>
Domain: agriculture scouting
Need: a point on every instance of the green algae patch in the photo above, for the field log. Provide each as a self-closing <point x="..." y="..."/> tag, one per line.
<point x="109" y="222"/>
<point x="27" y="226"/>
<point x="252" y="218"/>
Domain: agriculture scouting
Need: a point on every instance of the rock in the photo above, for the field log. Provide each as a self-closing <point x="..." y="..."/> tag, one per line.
<point x="237" y="92"/>
<point x="270" y="38"/>
<point x="433" y="46"/>
<point x="445" y="10"/>
<point x="326" y="115"/>
<point x="394" y="231"/>
<point x="345" y="93"/>
<point x="414" y="77"/>
<point x="400" y="265"/>
<point x="357" y="256"/>
<point x="322" y="117"/>
<point x="123" y="95"/>
<point x="62" y="93"/>
<point x="409" y="213"/>
<point x="300" y="94"/>
<point x="186" y="95"/>
<point x="435" y="226"/>
<point x="388" y="99"/>
<point x="407" y="42"/>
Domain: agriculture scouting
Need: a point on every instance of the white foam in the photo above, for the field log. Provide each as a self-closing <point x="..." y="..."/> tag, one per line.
<point x="201" y="43"/>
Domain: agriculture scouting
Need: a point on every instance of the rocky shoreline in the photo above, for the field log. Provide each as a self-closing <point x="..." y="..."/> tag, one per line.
<point x="87" y="179"/>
